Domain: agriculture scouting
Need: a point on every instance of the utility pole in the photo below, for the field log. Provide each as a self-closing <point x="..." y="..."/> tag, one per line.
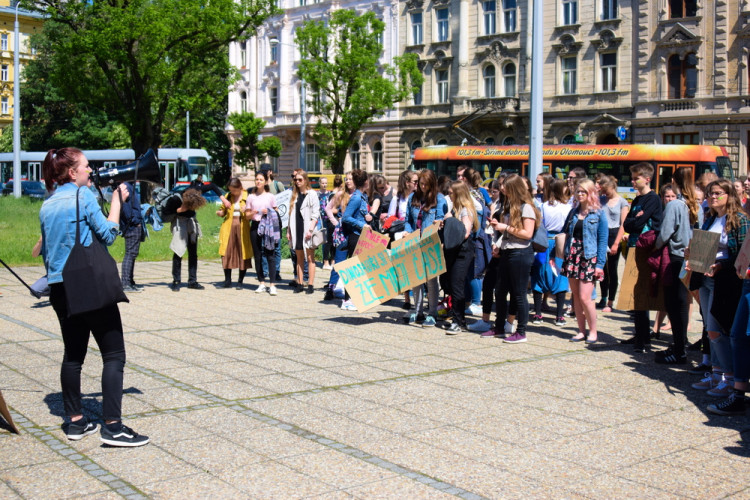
<point x="537" y="93"/>
<point x="16" y="109"/>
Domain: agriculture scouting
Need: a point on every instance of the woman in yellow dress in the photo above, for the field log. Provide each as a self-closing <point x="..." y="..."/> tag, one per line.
<point x="234" y="235"/>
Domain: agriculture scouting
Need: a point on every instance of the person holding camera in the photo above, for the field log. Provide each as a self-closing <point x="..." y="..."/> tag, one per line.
<point x="70" y="210"/>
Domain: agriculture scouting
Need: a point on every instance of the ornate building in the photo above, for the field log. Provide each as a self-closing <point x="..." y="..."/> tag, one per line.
<point x="28" y="24"/>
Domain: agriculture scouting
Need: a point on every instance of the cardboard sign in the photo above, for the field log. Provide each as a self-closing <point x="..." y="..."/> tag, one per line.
<point x="370" y="240"/>
<point x="636" y="288"/>
<point x="432" y="252"/>
<point x="282" y="202"/>
<point x="407" y="261"/>
<point x="369" y="278"/>
<point x="703" y="248"/>
<point x="743" y="259"/>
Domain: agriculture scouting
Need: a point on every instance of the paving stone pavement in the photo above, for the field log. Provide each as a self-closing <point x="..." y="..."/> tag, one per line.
<point x="245" y="395"/>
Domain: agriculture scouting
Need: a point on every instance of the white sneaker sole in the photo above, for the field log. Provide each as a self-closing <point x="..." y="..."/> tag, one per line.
<point x="78" y="437"/>
<point x="124" y="444"/>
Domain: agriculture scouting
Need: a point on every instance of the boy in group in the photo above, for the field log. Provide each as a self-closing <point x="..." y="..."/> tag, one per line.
<point x="645" y="214"/>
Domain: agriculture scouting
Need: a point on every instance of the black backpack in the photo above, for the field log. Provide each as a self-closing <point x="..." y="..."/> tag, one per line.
<point x="166" y="204"/>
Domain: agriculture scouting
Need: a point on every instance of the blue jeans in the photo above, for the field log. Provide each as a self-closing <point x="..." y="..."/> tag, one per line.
<point x="740" y="336"/>
<point x="338" y="256"/>
<point x="277" y="255"/>
<point x="721" y="347"/>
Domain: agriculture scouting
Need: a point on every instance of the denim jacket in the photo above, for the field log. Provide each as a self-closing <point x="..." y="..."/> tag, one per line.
<point x="435" y="213"/>
<point x="595" y="234"/>
<point x="58" y="222"/>
<point x="354" y="216"/>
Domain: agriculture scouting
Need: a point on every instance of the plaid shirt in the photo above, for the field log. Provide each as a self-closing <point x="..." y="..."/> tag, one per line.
<point x="735" y="237"/>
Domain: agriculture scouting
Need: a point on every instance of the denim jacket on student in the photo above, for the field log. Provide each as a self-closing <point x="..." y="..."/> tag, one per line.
<point x="595" y="234"/>
<point x="435" y="213"/>
<point x="354" y="215"/>
<point x="58" y="222"/>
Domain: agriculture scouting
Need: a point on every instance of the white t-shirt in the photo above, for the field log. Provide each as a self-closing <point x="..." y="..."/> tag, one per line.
<point x="720" y="226"/>
<point x="553" y="216"/>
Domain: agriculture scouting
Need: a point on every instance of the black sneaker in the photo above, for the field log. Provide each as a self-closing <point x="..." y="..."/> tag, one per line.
<point x="695" y="346"/>
<point x="454" y="329"/>
<point x="122" y="435"/>
<point x="196" y="286"/>
<point x="700" y="369"/>
<point x="732" y="405"/>
<point x="175" y="286"/>
<point x="131" y="289"/>
<point x="75" y="431"/>
<point x="310" y="290"/>
<point x="669" y="357"/>
<point x="629" y="341"/>
<point x="641" y="348"/>
<point x="329" y="294"/>
<point x="226" y="284"/>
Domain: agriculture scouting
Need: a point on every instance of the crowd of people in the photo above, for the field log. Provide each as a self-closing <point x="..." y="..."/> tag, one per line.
<point x="560" y="237"/>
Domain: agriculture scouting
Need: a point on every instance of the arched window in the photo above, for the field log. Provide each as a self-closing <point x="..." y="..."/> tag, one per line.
<point x="243" y="102"/>
<point x="509" y="80"/>
<point x="415" y="145"/>
<point x="568" y="139"/>
<point x="442" y="142"/>
<point x="509" y="141"/>
<point x="489" y="80"/>
<point x="490" y="141"/>
<point x="312" y="158"/>
<point x="243" y="54"/>
<point x="377" y="157"/>
<point x="354" y="155"/>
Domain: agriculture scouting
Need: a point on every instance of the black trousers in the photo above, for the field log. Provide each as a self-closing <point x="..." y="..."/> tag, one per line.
<point x="515" y="269"/>
<point x="459" y="262"/>
<point x="610" y="282"/>
<point x="259" y="251"/>
<point x="192" y="251"/>
<point x="677" y="304"/>
<point x="106" y="326"/>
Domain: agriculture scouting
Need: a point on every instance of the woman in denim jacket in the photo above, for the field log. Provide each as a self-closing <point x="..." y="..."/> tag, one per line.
<point x="423" y="207"/>
<point x="585" y="255"/>
<point x="69" y="169"/>
<point x="355" y="217"/>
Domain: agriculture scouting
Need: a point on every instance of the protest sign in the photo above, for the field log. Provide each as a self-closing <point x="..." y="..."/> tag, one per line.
<point x="743" y="258"/>
<point x="370" y="240"/>
<point x="703" y="248"/>
<point x="369" y="278"/>
<point x="282" y="202"/>
<point x="636" y="290"/>
<point x="432" y="252"/>
<point x="407" y="261"/>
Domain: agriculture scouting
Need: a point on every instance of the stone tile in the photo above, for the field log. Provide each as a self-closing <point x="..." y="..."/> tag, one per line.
<point x="145" y="464"/>
<point x="231" y="389"/>
<point x="171" y="397"/>
<point x="395" y="420"/>
<point x="276" y="443"/>
<point x="336" y="469"/>
<point x="33" y="481"/>
<point x="324" y="378"/>
<point x="209" y="453"/>
<point x="24" y="450"/>
<point x="397" y="488"/>
<point x="193" y="486"/>
<point x="273" y="480"/>
<point x="280" y="384"/>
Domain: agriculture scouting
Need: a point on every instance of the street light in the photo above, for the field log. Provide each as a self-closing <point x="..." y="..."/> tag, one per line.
<point x="16" y="111"/>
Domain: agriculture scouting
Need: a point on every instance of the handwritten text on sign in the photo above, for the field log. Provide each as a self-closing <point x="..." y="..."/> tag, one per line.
<point x="370" y="240"/>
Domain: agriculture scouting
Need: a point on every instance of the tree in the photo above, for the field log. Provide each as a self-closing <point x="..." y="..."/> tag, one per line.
<point x="249" y="148"/>
<point x="348" y="85"/>
<point x="144" y="62"/>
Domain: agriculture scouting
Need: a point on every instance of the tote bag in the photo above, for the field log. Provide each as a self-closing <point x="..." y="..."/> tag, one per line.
<point x="90" y="275"/>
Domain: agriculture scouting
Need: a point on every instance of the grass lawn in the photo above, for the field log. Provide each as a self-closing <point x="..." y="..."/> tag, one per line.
<point x="19" y="231"/>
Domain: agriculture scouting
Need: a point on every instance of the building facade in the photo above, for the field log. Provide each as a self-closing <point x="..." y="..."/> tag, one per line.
<point x="668" y="71"/>
<point x="28" y="24"/>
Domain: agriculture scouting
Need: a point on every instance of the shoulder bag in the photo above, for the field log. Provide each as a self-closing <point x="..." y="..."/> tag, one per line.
<point x="90" y="275"/>
<point x="539" y="241"/>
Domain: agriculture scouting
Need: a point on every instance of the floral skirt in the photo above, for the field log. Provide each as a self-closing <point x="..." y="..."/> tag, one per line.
<point x="576" y="266"/>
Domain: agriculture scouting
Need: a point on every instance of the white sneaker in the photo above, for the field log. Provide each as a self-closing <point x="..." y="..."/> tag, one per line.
<point x="474" y="310"/>
<point x="509" y="327"/>
<point x="348" y="305"/>
<point x="327" y="267"/>
<point x="272" y="290"/>
<point x="710" y="381"/>
<point x="479" y="326"/>
<point x="261" y="288"/>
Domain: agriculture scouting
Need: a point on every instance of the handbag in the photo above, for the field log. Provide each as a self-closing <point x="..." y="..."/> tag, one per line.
<point x="539" y="242"/>
<point x="90" y="275"/>
<point x="317" y="239"/>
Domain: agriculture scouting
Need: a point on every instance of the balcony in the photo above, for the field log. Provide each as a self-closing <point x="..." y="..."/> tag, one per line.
<point x="679" y="105"/>
<point x="497" y="104"/>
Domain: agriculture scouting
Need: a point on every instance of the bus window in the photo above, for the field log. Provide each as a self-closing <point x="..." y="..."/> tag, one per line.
<point x="663" y="175"/>
<point x="724" y="167"/>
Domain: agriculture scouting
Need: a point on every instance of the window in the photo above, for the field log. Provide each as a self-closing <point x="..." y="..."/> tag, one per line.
<point x="273" y="94"/>
<point x="415" y="145"/>
<point x="570" y="12"/>
<point x="609" y="71"/>
<point x="682" y="76"/>
<point x="509" y="80"/>
<point x="442" y="142"/>
<point x="418" y="96"/>
<point x="243" y="54"/>
<point x="568" y="139"/>
<point x="489" y="81"/>
<point x="683" y="138"/>
<point x="274" y="51"/>
<point x="682" y="8"/>
<point x="509" y="16"/>
<point x="441" y="77"/>
<point x="354" y="155"/>
<point x="489" y="17"/>
<point x="416" y="28"/>
<point x="377" y="157"/>
<point x="490" y="141"/>
<point x="609" y="9"/>
<point x="312" y="159"/>
<point x="443" y="26"/>
<point x="4" y="106"/>
<point x="509" y="141"/>
<point x="569" y="65"/>
<point x="243" y="102"/>
<point x="4" y="72"/>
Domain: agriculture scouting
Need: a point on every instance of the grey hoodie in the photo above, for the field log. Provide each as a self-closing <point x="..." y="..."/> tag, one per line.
<point x="676" y="230"/>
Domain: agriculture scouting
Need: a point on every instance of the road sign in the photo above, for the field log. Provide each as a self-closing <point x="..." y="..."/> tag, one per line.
<point x="621" y="133"/>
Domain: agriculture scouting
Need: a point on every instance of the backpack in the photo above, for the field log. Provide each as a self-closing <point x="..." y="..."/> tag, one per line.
<point x="166" y="204"/>
<point x="482" y="242"/>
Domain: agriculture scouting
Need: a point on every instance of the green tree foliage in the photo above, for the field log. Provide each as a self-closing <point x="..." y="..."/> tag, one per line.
<point x="144" y="62"/>
<point x="250" y="150"/>
<point x="348" y="85"/>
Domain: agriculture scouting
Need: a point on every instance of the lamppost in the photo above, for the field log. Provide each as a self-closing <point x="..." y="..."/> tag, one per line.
<point x="16" y="111"/>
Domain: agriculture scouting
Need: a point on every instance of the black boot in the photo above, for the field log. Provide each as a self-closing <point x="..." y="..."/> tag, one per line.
<point x="227" y="278"/>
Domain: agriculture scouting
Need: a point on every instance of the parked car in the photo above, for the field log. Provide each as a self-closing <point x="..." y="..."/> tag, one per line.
<point x="32" y="189"/>
<point x="210" y="196"/>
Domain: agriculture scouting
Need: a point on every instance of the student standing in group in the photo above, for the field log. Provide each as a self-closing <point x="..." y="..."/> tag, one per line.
<point x="460" y="261"/>
<point x="645" y="214"/>
<point x="303" y="218"/>
<point x="585" y="256"/>
<point x="520" y="220"/>
<point x="334" y="214"/>
<point x="234" y="235"/>
<point x="680" y="216"/>
<point x="185" y="234"/>
<point x="616" y="208"/>
<point x="68" y="170"/>
<point x="423" y="207"/>
<point x="323" y="196"/>
<point x="407" y="184"/>
<point x="355" y="218"/>
<point x="259" y="204"/>
<point x="131" y="227"/>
